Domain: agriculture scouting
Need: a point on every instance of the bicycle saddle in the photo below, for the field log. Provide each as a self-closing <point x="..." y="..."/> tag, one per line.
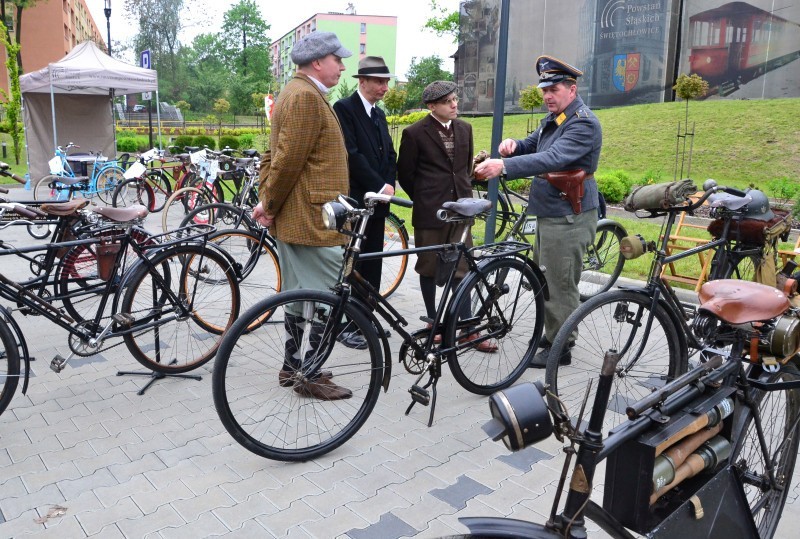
<point x="62" y="209"/>
<point x="728" y="201"/>
<point x="121" y="215"/>
<point x="739" y="302"/>
<point x="467" y="207"/>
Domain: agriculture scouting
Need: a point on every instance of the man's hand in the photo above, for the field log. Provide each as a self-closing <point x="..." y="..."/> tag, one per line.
<point x="507" y="147"/>
<point x="387" y="190"/>
<point x="262" y="217"/>
<point x="489" y="169"/>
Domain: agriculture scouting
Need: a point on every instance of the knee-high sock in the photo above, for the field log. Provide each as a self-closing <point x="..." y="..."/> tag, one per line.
<point x="427" y="286"/>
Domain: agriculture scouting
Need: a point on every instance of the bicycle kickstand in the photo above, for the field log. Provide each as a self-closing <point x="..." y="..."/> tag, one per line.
<point x="420" y="394"/>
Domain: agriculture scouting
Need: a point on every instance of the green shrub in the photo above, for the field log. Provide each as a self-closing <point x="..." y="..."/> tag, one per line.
<point x="204" y="140"/>
<point x="625" y="178"/>
<point x="183" y="140"/>
<point x="247" y="141"/>
<point x="127" y="144"/>
<point x="230" y="141"/>
<point x="613" y="188"/>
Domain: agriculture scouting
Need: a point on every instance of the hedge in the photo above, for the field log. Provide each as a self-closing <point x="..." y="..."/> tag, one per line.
<point x="204" y="140"/>
<point x="230" y="141"/>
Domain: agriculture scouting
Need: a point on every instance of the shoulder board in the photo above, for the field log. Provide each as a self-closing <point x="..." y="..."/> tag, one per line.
<point x="582" y="113"/>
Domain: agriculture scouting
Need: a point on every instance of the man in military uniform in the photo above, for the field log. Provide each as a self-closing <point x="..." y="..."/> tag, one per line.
<point x="569" y="138"/>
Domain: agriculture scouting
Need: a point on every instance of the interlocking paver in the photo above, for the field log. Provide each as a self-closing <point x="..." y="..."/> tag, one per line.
<point x="384" y="501"/>
<point x="138" y="484"/>
<point x="15" y="506"/>
<point x="29" y="465"/>
<point x="296" y="514"/>
<point x="23" y="524"/>
<point x="91" y="464"/>
<point x="52" y="475"/>
<point x="344" y="519"/>
<point x="170" y="457"/>
<point x="190" y="509"/>
<point x="208" y="525"/>
<point x="235" y="516"/>
<point x="149" y="501"/>
<point x="148" y="463"/>
<point x="199" y="484"/>
<point x="100" y="478"/>
<point x="163" y="517"/>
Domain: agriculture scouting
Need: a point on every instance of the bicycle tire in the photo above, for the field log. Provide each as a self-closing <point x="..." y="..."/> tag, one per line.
<point x="511" y="307"/>
<point x="161" y="188"/>
<point x="615" y="320"/>
<point x="743" y="265"/>
<point x="274" y="421"/>
<point x="237" y="218"/>
<point x="393" y="268"/>
<point x="502" y="215"/>
<point x="211" y="296"/>
<point x="133" y="191"/>
<point x="602" y="257"/>
<point x="40" y="231"/>
<point x="257" y="266"/>
<point x="107" y="181"/>
<point x="42" y="191"/>
<point x="9" y="366"/>
<point x="777" y="410"/>
<point x="179" y="204"/>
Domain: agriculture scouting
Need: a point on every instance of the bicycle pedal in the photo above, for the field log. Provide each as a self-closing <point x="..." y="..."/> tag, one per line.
<point x="58" y="363"/>
<point x="123" y="320"/>
<point x="420" y="395"/>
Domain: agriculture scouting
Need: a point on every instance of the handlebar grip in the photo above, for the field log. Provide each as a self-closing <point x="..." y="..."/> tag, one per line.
<point x="25" y="212"/>
<point x="18" y="178"/>
<point x="402" y="202"/>
<point x="3" y="190"/>
<point x="734" y="191"/>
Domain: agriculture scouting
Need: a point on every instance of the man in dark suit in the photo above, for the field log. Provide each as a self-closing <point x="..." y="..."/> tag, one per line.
<point x="434" y="167"/>
<point x="371" y="155"/>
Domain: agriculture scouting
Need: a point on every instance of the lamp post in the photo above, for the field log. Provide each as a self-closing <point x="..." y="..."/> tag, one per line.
<point x="107" y="11"/>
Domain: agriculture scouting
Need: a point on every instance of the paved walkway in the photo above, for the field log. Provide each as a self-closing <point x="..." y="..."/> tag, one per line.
<point x="83" y="455"/>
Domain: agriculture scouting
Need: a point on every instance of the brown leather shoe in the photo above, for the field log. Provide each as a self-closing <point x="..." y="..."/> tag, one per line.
<point x="324" y="390"/>
<point x="286" y="378"/>
<point x="489" y="346"/>
<point x="437" y="339"/>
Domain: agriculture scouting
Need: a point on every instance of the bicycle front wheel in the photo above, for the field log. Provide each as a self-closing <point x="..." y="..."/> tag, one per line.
<point x="159" y="184"/>
<point x="107" y="181"/>
<point x="652" y="352"/>
<point x="9" y="366"/>
<point x="603" y="261"/>
<point x="393" y="268"/>
<point x="182" y="202"/>
<point x="48" y="189"/>
<point x="180" y="307"/>
<point x="503" y="301"/>
<point x="779" y="412"/>
<point x="264" y="380"/>
<point x="133" y="191"/>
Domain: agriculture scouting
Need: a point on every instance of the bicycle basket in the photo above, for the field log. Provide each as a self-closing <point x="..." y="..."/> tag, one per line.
<point x="754" y="231"/>
<point x="107" y="252"/>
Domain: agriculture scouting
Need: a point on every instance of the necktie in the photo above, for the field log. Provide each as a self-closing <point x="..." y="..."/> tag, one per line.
<point x="374" y="116"/>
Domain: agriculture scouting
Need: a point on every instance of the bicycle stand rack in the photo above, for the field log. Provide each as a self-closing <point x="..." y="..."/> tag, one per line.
<point x="155" y="376"/>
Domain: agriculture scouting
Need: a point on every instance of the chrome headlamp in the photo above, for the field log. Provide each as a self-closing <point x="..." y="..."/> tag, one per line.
<point x="519" y="416"/>
<point x="335" y="213"/>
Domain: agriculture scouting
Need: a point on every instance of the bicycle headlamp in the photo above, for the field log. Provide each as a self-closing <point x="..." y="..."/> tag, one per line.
<point x="334" y="215"/>
<point x="519" y="416"/>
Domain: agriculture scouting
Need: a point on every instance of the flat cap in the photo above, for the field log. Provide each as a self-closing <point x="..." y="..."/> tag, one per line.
<point x="373" y="66"/>
<point x="437" y="90"/>
<point x="318" y="45"/>
<point x="552" y="70"/>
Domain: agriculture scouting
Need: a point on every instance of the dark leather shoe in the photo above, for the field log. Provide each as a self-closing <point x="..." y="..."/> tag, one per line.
<point x="437" y="339"/>
<point x="286" y="378"/>
<point x="489" y="346"/>
<point x="539" y="361"/>
<point x="544" y="343"/>
<point x="324" y="390"/>
<point x="351" y="339"/>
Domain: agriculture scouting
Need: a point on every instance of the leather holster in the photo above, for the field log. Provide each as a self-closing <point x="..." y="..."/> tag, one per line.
<point x="570" y="186"/>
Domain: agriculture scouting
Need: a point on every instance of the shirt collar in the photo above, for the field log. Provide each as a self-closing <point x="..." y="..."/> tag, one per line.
<point x="322" y="88"/>
<point x="367" y="105"/>
<point x="446" y="125"/>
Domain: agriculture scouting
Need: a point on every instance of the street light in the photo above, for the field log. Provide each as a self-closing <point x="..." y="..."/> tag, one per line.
<point x="107" y="11"/>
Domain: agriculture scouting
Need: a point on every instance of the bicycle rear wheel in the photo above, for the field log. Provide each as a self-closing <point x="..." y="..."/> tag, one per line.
<point x="779" y="412"/>
<point x="603" y="261"/>
<point x="393" y="268"/>
<point x="182" y="202"/>
<point x="504" y="301"/>
<point x="9" y="366"/>
<point x="652" y="350"/>
<point x="48" y="189"/>
<point x="259" y="381"/>
<point x="107" y="181"/>
<point x="159" y="184"/>
<point x="181" y="306"/>
<point x="133" y="191"/>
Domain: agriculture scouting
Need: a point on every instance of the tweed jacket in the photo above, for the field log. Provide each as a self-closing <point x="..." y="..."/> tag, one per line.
<point x="371" y="156"/>
<point x="306" y="166"/>
<point x="426" y="173"/>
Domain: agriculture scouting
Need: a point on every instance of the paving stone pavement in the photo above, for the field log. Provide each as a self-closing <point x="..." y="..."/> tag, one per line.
<point x="83" y="455"/>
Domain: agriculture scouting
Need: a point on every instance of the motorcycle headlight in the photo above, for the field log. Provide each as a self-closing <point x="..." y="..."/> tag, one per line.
<point x="334" y="215"/>
<point x="519" y="416"/>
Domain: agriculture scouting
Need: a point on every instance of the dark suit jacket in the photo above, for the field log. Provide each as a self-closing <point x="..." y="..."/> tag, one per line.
<point x="370" y="168"/>
<point x="427" y="174"/>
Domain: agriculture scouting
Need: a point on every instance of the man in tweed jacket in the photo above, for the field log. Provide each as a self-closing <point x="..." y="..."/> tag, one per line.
<point x="306" y="167"/>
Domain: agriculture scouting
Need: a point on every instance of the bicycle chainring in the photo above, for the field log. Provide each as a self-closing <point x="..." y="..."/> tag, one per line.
<point x="81" y="347"/>
<point x="37" y="265"/>
<point x="413" y="360"/>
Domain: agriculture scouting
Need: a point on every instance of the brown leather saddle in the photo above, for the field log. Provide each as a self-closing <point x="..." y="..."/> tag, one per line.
<point x="739" y="302"/>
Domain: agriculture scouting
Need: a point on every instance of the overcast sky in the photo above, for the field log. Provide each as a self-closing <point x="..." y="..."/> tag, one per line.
<point x="206" y="17"/>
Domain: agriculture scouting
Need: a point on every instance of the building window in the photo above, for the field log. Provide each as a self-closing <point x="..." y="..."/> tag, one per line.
<point x="363" y="28"/>
<point x="363" y="48"/>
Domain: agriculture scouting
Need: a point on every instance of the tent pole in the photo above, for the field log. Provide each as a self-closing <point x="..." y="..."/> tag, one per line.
<point x="53" y="112"/>
<point x="27" y="153"/>
<point x="158" y="119"/>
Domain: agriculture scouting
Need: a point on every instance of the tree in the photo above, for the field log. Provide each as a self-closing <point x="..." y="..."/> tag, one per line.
<point x="395" y="100"/>
<point x="344" y="89"/>
<point x="221" y="107"/>
<point x="447" y="23"/>
<point x="690" y="87"/>
<point x="244" y="36"/>
<point x="530" y="98"/>
<point x="14" y="101"/>
<point x="420" y="74"/>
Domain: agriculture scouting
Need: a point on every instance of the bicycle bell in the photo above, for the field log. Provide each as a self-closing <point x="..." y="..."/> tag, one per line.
<point x="519" y="416"/>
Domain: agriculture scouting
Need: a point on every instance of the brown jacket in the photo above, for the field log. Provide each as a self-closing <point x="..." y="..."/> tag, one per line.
<point x="426" y="173"/>
<point x="306" y="165"/>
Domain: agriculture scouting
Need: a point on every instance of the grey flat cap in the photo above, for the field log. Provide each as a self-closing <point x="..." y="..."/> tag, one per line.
<point x="318" y="45"/>
<point x="437" y="90"/>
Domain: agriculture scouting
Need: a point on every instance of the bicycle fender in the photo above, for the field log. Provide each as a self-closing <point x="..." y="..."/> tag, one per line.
<point x="611" y="222"/>
<point x="507" y="527"/>
<point x="539" y="275"/>
<point x="22" y="344"/>
<point x="387" y="351"/>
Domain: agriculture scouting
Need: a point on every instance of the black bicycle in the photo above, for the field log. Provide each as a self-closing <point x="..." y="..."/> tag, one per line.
<point x="486" y="330"/>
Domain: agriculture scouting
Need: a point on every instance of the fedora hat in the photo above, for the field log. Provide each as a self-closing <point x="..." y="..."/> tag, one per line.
<point x="373" y="66"/>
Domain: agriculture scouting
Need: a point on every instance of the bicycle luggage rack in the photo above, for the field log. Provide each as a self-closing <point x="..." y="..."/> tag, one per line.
<point x="174" y="237"/>
<point x="499" y="249"/>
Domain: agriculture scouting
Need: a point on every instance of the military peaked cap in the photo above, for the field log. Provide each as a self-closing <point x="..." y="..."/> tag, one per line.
<point x="552" y="70"/>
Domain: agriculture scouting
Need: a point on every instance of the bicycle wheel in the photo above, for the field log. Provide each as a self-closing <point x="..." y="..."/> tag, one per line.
<point x="652" y="352"/>
<point x="743" y="266"/>
<point x="779" y="412"/>
<point x="393" y="269"/>
<point x="502" y="217"/>
<point x="603" y="261"/>
<point x="181" y="306"/>
<point x="182" y="202"/>
<point x="40" y="230"/>
<point x="257" y="264"/>
<point x="48" y="189"/>
<point x="259" y="376"/>
<point x="133" y="191"/>
<point x="223" y="215"/>
<point x="505" y="302"/>
<point x="159" y="184"/>
<point x="107" y="181"/>
<point x="9" y="366"/>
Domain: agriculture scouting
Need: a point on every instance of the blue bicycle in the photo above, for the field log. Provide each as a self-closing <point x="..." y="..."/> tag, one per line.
<point x="83" y="175"/>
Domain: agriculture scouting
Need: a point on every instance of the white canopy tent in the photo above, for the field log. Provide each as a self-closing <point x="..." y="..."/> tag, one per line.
<point x="69" y="100"/>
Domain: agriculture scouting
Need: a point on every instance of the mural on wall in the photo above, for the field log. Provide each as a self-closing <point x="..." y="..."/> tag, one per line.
<point x="744" y="49"/>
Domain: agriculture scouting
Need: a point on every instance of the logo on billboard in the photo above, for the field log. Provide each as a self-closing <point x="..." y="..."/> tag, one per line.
<point x="607" y="15"/>
<point x="625" y="71"/>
